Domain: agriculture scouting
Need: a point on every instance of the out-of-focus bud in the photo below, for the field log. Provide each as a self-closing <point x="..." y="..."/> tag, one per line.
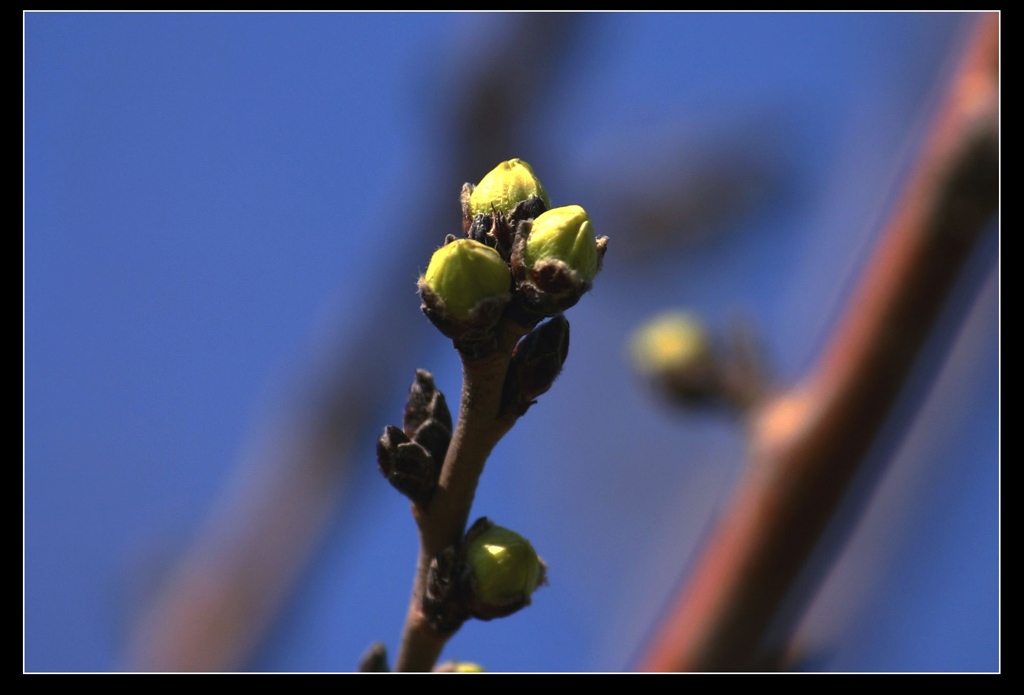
<point x="503" y="570"/>
<point x="536" y="362"/>
<point x="459" y="667"/>
<point x="507" y="185"/>
<point x="673" y="351"/>
<point x="678" y="356"/>
<point x="375" y="660"/>
<point x="464" y="291"/>
<point x="555" y="257"/>
<point x="670" y="342"/>
<point x="567" y="235"/>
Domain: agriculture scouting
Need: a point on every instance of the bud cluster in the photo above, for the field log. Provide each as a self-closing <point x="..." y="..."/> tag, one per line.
<point x="520" y="258"/>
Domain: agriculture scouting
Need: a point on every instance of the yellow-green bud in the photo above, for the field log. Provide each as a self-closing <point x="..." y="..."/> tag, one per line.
<point x="506" y="570"/>
<point x="459" y="667"/>
<point x="671" y="342"/>
<point x="464" y="272"/>
<point x="507" y="185"/>
<point x="567" y="235"/>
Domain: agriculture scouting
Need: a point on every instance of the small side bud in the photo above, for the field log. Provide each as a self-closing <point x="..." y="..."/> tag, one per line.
<point x="459" y="667"/>
<point x="504" y="187"/>
<point x="407" y="465"/>
<point x="536" y="362"/>
<point x="425" y="402"/>
<point x="502" y="570"/>
<point x="465" y="288"/>
<point x="443" y="600"/>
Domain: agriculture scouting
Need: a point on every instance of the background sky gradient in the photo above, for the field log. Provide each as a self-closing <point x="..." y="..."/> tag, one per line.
<point x="212" y="201"/>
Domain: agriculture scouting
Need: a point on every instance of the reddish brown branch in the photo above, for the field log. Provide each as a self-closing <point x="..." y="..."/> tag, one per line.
<point x="809" y="442"/>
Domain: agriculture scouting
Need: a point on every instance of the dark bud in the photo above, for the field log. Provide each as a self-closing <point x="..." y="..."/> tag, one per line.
<point x="375" y="659"/>
<point x="497" y="229"/>
<point x="425" y="402"/>
<point x="407" y="465"/>
<point x="526" y="210"/>
<point x="480" y="228"/>
<point x="443" y="603"/>
<point x="536" y="362"/>
<point x="427" y="420"/>
<point x="434" y="438"/>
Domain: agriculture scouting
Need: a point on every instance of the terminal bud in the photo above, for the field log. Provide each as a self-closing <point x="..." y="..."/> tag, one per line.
<point x="504" y="187"/>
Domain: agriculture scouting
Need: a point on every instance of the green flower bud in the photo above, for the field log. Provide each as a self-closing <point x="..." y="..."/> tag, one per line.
<point x="505" y="570"/>
<point x="671" y="342"/>
<point x="459" y="667"/>
<point x="676" y="355"/>
<point x="465" y="272"/>
<point x="565" y="234"/>
<point x="504" y="187"/>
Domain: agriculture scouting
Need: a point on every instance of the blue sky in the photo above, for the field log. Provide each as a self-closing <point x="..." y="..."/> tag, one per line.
<point x="213" y="200"/>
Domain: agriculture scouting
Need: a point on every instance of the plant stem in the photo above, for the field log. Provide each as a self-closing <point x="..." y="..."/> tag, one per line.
<point x="443" y="521"/>
<point x="222" y="597"/>
<point x="809" y="442"/>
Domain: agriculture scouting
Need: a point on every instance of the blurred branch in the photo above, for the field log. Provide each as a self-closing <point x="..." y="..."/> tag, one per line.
<point x="216" y="606"/>
<point x="809" y="442"/>
<point x="677" y="196"/>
